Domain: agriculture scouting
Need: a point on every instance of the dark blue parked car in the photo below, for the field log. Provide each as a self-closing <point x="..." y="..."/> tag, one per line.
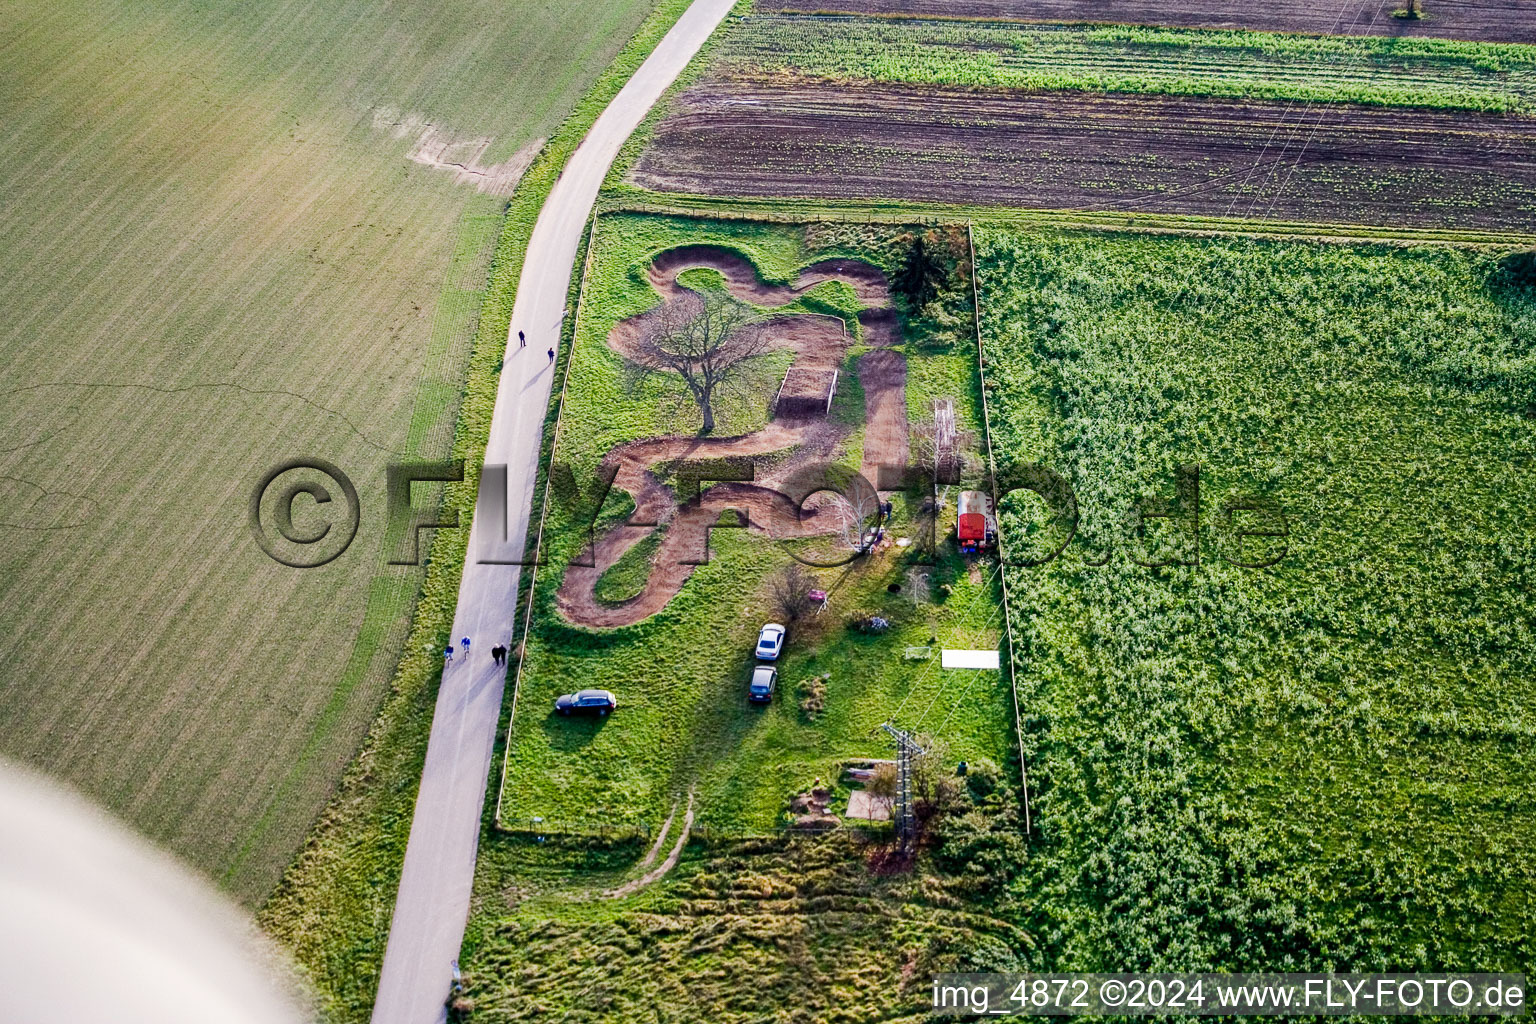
<point x="760" y="690"/>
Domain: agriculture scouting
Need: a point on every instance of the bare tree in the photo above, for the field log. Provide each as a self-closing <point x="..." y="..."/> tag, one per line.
<point x="855" y="517"/>
<point x="704" y="338"/>
<point x="792" y="588"/>
<point x="940" y="449"/>
<point x="852" y="506"/>
<point x="882" y="786"/>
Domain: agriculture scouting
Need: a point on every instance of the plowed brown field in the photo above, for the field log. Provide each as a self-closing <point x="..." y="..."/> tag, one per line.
<point x="1328" y="163"/>
<point x="1508" y="21"/>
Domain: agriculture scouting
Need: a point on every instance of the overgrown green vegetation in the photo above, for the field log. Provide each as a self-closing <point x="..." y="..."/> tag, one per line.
<point x="1251" y="65"/>
<point x="681" y="675"/>
<point x="804" y="930"/>
<point x="1326" y="762"/>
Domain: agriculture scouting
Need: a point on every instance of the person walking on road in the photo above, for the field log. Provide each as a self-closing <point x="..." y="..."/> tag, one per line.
<point x="522" y="342"/>
<point x="551" y="355"/>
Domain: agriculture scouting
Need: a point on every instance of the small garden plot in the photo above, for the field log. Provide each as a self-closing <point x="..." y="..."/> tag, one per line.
<point x="700" y="539"/>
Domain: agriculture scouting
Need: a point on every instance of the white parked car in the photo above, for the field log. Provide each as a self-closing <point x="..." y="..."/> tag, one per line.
<point x="770" y="642"/>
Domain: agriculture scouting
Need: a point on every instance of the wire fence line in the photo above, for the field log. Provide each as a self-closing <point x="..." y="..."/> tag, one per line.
<point x="609" y="831"/>
<point x="568" y="351"/>
<point x="588" y="831"/>
<point x="986" y="419"/>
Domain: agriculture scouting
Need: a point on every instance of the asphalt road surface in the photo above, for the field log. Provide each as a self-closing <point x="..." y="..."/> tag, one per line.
<point x="433" y="903"/>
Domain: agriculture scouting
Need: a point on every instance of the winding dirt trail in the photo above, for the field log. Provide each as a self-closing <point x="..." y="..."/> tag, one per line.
<point x="818" y="343"/>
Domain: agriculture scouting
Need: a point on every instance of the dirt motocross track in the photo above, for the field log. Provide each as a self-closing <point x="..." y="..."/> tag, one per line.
<point x="770" y="502"/>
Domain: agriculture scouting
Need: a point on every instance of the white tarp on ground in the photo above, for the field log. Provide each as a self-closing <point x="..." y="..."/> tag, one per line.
<point x="969" y="659"/>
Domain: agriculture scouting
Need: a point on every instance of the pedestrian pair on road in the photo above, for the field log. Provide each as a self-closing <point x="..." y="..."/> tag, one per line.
<point x="499" y="654"/>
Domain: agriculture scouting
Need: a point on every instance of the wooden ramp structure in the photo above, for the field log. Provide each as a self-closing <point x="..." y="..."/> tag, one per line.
<point x="805" y="392"/>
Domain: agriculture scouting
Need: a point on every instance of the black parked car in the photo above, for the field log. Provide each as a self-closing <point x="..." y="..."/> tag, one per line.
<point x="760" y="690"/>
<point x="587" y="702"/>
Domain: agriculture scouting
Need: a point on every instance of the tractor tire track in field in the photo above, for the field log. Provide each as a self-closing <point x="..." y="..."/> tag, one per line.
<point x="661" y="837"/>
<point x="818" y="344"/>
<point x="1070" y="150"/>
<point x="185" y="388"/>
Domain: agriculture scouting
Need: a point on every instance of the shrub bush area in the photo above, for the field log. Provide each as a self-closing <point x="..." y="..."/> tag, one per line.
<point x="1326" y="762"/>
<point x="798" y="928"/>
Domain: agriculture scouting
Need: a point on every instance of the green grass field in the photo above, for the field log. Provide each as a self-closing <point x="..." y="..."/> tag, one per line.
<point x="1322" y="764"/>
<point x="681" y="674"/>
<point x="1249" y="65"/>
<point x="219" y="255"/>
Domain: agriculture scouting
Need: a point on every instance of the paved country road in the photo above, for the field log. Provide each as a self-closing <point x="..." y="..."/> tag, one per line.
<point x="433" y="903"/>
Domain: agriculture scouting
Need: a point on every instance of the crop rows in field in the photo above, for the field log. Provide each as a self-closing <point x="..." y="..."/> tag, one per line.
<point x="1165" y="154"/>
<point x="244" y="265"/>
<point x="1512" y="21"/>
<point x="1257" y="65"/>
<point x="1325" y="761"/>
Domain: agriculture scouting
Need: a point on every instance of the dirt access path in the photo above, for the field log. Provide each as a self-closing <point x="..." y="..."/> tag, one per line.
<point x="636" y="884"/>
<point x="818" y="343"/>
